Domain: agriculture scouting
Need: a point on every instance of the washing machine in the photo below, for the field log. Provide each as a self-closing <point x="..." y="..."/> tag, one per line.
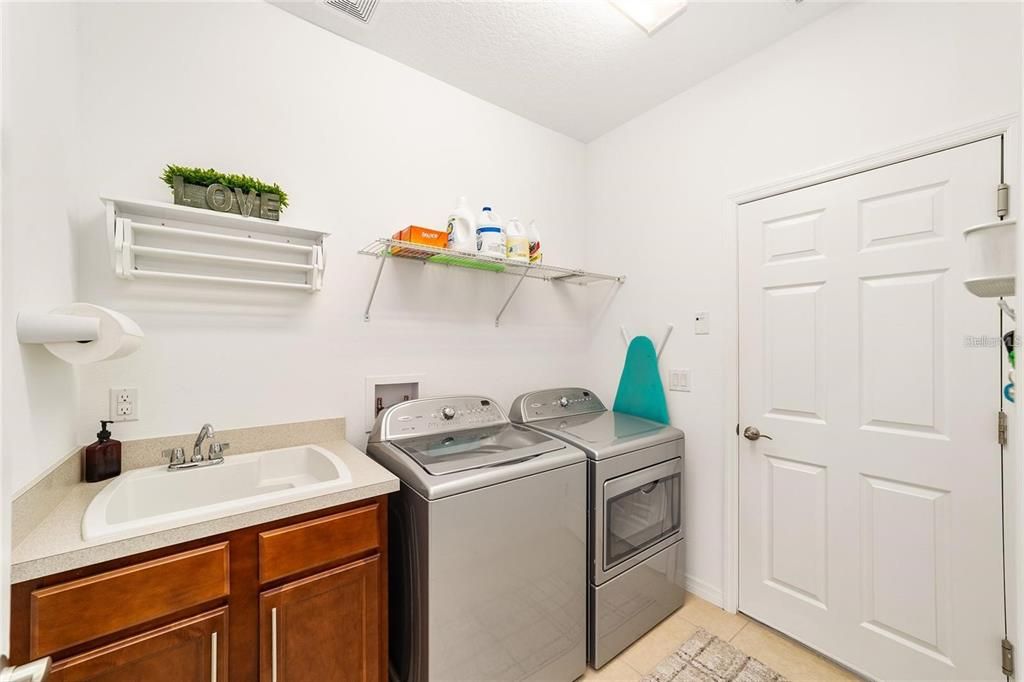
<point x="636" y="548"/>
<point x="487" y="545"/>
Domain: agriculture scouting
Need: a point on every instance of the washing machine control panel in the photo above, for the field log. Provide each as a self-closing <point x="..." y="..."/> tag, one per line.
<point x="555" y="402"/>
<point x="436" y="415"/>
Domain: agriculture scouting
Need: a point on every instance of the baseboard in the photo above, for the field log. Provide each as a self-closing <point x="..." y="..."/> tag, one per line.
<point x="704" y="590"/>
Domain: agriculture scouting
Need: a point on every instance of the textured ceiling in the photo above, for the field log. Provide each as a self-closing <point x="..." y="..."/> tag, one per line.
<point x="579" y="67"/>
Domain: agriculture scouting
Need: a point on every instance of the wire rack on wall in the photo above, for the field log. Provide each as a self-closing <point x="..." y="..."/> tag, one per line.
<point x="384" y="249"/>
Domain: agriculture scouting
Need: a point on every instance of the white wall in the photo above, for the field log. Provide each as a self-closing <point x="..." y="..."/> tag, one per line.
<point x="364" y="146"/>
<point x="39" y="138"/>
<point x="5" y="497"/>
<point x="866" y="78"/>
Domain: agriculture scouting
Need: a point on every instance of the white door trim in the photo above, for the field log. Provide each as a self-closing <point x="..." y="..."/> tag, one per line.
<point x="1009" y="127"/>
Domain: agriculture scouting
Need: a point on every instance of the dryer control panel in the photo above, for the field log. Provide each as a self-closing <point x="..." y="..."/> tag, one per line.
<point x="436" y="415"/>
<point x="553" y="403"/>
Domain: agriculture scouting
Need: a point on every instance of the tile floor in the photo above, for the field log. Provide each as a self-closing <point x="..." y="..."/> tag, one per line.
<point x="793" y="660"/>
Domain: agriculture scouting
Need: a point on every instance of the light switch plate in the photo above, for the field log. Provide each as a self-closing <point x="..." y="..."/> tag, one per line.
<point x="702" y="323"/>
<point x="679" y="380"/>
<point x="124" y="405"/>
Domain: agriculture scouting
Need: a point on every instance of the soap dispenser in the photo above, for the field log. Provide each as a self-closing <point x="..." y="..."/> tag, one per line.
<point x="102" y="458"/>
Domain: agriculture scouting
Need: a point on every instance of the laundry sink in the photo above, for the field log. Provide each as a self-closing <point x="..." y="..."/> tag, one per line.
<point x="147" y="500"/>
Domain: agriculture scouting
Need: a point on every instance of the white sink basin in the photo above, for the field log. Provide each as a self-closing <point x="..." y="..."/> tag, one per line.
<point x="147" y="500"/>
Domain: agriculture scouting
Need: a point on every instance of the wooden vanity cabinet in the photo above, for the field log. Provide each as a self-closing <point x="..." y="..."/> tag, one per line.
<point x="192" y="650"/>
<point x="324" y="627"/>
<point x="304" y="595"/>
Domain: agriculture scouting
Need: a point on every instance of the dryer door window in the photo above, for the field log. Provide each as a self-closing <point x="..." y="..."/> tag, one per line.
<point x="641" y="509"/>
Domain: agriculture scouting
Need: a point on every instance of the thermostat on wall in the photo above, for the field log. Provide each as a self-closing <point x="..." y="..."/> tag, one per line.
<point x="702" y="323"/>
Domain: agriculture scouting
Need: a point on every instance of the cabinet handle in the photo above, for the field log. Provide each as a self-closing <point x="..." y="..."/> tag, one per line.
<point x="213" y="657"/>
<point x="273" y="644"/>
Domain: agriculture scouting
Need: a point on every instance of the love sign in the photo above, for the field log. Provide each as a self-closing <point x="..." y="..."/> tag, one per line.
<point x="217" y="197"/>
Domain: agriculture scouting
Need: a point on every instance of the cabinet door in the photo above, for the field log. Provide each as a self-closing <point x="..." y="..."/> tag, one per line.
<point x="191" y="650"/>
<point x="326" y="627"/>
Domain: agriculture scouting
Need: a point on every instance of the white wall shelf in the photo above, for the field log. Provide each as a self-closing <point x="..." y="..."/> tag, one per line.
<point x="158" y="240"/>
<point x="384" y="248"/>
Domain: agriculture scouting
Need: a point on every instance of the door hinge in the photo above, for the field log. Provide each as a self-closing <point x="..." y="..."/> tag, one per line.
<point x="1007" y="657"/>
<point x="1002" y="428"/>
<point x="1002" y="200"/>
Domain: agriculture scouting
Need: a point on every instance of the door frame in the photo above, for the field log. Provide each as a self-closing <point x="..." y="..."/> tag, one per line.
<point x="1013" y="517"/>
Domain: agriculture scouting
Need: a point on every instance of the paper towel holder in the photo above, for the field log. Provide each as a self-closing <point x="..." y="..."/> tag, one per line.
<point x="75" y="323"/>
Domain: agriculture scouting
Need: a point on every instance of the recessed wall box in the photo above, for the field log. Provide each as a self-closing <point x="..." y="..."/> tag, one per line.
<point x="384" y="391"/>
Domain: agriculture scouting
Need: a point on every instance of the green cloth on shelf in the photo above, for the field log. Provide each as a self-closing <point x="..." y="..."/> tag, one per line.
<point x="445" y="259"/>
<point x="641" y="392"/>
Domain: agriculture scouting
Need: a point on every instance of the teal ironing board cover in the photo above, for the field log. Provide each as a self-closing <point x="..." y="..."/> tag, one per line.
<point x="641" y="392"/>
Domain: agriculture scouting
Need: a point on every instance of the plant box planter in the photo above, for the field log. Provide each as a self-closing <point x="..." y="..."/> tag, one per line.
<point x="223" y="199"/>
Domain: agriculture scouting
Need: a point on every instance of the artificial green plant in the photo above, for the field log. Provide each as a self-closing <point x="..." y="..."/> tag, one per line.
<point x="209" y="176"/>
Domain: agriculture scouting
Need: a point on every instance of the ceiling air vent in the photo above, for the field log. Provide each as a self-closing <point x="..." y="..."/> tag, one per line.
<point x="360" y="10"/>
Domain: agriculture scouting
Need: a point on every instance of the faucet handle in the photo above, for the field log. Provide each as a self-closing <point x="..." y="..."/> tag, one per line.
<point x="176" y="455"/>
<point x="217" y="449"/>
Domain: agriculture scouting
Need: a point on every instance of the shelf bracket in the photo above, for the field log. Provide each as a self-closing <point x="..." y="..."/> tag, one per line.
<point x="373" y="291"/>
<point x="497" y="320"/>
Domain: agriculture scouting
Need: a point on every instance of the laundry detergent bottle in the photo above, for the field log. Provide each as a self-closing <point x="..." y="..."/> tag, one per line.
<point x="517" y="245"/>
<point x="490" y="236"/>
<point x="533" y="235"/>
<point x="462" y="227"/>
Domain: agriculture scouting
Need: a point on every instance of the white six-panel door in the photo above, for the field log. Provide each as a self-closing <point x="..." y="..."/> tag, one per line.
<point x="870" y="525"/>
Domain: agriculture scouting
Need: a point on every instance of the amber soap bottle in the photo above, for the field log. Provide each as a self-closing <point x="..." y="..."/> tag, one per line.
<point x="102" y="458"/>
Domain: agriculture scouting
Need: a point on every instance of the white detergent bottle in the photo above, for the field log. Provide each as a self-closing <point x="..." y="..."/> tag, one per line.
<point x="533" y="235"/>
<point x="462" y="228"/>
<point x="517" y="246"/>
<point x="490" y="236"/>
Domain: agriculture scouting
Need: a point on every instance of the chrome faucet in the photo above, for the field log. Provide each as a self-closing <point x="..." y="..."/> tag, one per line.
<point x="197" y="449"/>
<point x="215" y="456"/>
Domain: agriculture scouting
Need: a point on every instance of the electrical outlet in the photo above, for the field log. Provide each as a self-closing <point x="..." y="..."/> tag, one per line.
<point x="679" y="380"/>
<point x="124" y="404"/>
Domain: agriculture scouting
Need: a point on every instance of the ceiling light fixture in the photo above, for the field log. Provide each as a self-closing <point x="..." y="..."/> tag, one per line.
<point x="650" y="15"/>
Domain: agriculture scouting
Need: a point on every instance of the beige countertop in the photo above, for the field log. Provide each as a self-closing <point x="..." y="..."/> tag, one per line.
<point x="55" y="544"/>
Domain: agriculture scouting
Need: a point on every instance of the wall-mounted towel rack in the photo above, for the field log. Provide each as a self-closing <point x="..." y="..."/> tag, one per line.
<point x="157" y="240"/>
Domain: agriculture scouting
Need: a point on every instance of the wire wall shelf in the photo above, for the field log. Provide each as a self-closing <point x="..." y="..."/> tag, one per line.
<point x="385" y="249"/>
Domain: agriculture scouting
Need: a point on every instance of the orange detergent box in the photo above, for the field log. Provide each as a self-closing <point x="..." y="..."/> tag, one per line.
<point x="420" y="235"/>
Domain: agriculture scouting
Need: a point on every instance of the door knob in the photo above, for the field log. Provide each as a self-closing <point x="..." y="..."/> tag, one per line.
<point x="751" y="433"/>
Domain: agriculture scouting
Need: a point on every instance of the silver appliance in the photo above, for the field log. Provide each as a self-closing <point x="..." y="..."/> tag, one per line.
<point x="487" y="545"/>
<point x="634" y="512"/>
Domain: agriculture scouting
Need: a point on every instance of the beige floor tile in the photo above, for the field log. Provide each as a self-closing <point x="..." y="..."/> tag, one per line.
<point x="786" y="656"/>
<point x="616" y="670"/>
<point x="649" y="650"/>
<point x="713" y="619"/>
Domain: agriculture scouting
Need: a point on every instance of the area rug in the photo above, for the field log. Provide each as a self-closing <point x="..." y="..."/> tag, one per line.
<point x="706" y="658"/>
